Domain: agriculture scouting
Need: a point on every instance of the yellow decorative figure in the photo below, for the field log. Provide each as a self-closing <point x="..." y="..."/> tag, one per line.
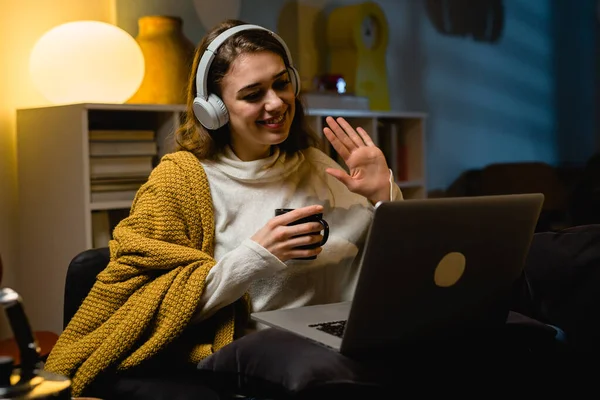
<point x="357" y="37"/>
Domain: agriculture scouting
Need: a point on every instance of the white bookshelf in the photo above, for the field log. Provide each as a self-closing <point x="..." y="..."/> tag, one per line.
<point x="55" y="208"/>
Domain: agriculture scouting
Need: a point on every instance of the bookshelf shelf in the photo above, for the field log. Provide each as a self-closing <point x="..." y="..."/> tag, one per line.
<point x="410" y="184"/>
<point x="110" y="205"/>
<point x="58" y="217"/>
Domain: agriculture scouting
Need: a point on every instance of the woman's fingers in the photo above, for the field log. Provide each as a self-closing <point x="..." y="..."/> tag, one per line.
<point x="337" y="144"/>
<point x="365" y="137"/>
<point x="302" y="212"/>
<point x="344" y="138"/>
<point x="356" y="140"/>
<point x="299" y="230"/>
<point x="341" y="135"/>
<point x="342" y="131"/>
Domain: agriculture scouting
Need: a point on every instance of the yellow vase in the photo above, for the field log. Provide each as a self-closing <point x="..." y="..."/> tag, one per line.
<point x="168" y="56"/>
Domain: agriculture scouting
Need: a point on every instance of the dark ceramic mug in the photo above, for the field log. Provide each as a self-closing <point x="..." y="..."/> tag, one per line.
<point x="311" y="218"/>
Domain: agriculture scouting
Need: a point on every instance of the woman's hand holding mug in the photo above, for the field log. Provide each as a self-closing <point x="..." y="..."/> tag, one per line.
<point x="294" y="233"/>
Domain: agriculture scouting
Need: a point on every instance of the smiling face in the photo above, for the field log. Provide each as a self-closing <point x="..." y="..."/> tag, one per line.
<point x="260" y="100"/>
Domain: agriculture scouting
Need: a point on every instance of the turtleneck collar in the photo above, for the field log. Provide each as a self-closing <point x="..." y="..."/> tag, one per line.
<point x="277" y="166"/>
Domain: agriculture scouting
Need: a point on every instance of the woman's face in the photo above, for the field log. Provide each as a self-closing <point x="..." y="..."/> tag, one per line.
<point x="260" y="100"/>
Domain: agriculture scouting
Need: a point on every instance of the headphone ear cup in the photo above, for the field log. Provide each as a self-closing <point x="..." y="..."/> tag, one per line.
<point x="211" y="113"/>
<point x="294" y="79"/>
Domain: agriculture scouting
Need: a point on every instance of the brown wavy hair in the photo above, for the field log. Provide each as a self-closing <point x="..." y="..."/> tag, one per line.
<point x="206" y="144"/>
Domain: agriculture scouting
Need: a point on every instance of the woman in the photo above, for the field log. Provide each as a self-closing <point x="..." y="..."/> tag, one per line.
<point x="202" y="247"/>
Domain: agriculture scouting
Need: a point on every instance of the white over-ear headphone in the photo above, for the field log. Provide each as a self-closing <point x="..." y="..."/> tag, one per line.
<point x="209" y="109"/>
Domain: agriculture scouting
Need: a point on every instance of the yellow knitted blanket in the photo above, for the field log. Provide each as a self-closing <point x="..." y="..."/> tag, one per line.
<point x="143" y="300"/>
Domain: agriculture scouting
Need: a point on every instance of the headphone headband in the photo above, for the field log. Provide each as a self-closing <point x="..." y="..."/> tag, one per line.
<point x="211" y="51"/>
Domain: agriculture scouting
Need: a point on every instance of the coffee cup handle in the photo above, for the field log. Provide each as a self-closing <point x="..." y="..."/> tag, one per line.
<point x="325" y="231"/>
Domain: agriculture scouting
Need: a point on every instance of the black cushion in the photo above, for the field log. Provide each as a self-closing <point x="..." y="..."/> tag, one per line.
<point x="563" y="274"/>
<point x="273" y="363"/>
<point x="81" y="275"/>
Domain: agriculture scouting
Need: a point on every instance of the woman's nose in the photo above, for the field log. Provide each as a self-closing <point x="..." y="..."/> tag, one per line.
<point x="273" y="101"/>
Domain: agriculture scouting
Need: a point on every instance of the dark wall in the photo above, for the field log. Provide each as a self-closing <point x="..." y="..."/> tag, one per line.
<point x="576" y="70"/>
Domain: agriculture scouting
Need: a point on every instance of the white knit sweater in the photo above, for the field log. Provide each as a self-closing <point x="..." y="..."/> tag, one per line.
<point x="245" y="196"/>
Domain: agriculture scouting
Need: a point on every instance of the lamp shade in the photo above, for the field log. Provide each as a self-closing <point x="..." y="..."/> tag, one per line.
<point x="87" y="62"/>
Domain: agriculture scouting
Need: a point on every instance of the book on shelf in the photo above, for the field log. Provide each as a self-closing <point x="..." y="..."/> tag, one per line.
<point x="385" y="143"/>
<point x="120" y="134"/>
<point x="103" y="224"/>
<point x="107" y="185"/>
<point x="402" y="162"/>
<point x="113" y="195"/>
<point x="101" y="233"/>
<point x="121" y="166"/>
<point x="123" y="148"/>
<point x="400" y="166"/>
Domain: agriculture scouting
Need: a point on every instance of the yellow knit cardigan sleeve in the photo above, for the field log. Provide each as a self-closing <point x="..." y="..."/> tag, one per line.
<point x="143" y="300"/>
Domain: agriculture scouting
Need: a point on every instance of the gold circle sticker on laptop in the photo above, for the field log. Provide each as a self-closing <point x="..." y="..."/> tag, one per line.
<point x="449" y="269"/>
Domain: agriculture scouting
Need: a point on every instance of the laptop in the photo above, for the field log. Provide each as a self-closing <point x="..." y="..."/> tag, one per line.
<point x="430" y="268"/>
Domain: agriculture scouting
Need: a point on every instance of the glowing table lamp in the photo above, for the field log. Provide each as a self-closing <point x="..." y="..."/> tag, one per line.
<point x="87" y="62"/>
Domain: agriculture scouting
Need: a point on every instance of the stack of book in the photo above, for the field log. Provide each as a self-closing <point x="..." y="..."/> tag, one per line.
<point x="103" y="224"/>
<point x="394" y="149"/>
<point x="120" y="162"/>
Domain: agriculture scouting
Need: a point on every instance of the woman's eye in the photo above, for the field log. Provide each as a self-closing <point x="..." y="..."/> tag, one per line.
<point x="280" y="85"/>
<point x="252" y="96"/>
<point x="256" y="96"/>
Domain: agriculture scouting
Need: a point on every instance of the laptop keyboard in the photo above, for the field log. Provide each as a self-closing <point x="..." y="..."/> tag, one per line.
<point x="335" y="328"/>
